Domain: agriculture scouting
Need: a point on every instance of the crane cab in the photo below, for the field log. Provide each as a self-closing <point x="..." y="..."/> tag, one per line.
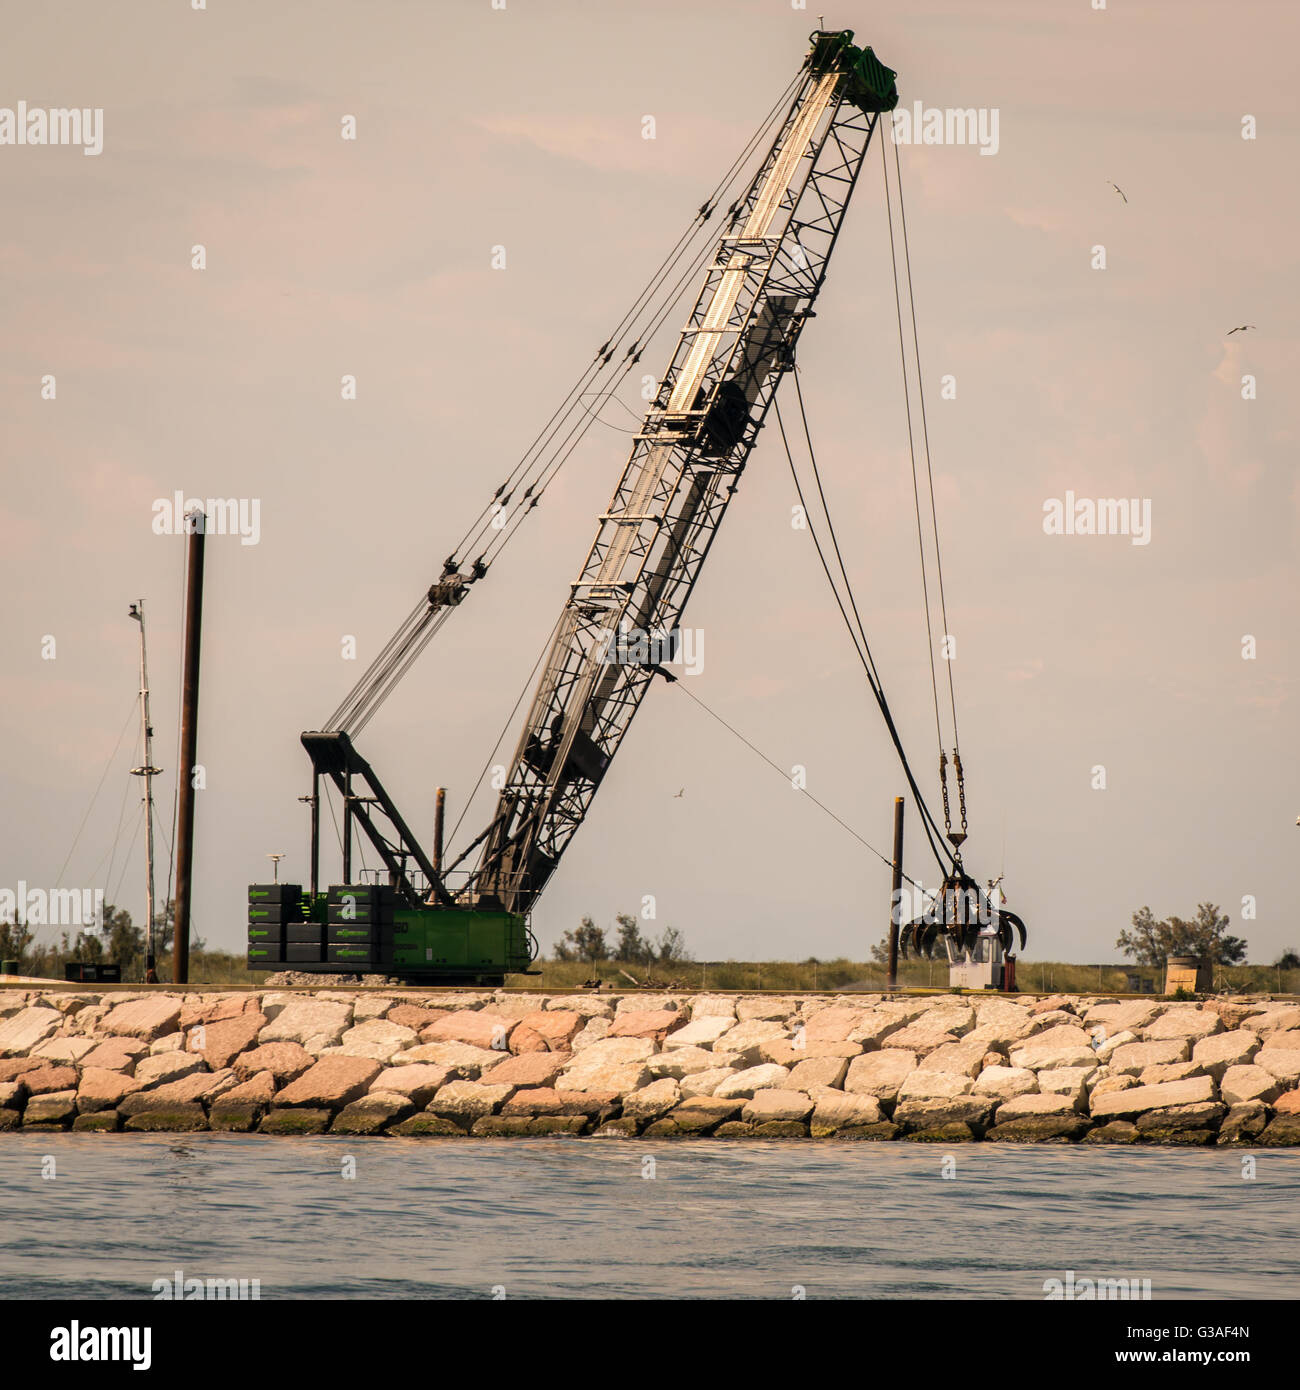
<point x="983" y="965"/>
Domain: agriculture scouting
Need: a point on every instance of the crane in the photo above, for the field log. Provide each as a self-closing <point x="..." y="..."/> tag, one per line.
<point x="760" y="281"/>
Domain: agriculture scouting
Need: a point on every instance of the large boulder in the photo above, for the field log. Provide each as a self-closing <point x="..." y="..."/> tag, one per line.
<point x="1188" y="1022"/>
<point x="766" y="1007"/>
<point x="835" y="1111"/>
<point x="221" y="1041"/>
<point x="528" y="1069"/>
<point x="116" y="1054"/>
<point x="466" y="1060"/>
<point x="1021" y="1107"/>
<point x="284" y="1061"/>
<point x="931" y="1113"/>
<point x="149" y="1018"/>
<point x="483" y="1028"/>
<point x="700" y="1033"/>
<point x="1284" y="1063"/>
<point x="1136" y="1100"/>
<point x="700" y="1115"/>
<point x="654" y="1024"/>
<point x="1243" y="1122"/>
<point x="1275" y="1018"/>
<point x="879" y="1074"/>
<point x="1006" y="1082"/>
<point x="680" y="1062"/>
<point x="167" y="1066"/>
<point x="556" y="1027"/>
<point x="419" y="1083"/>
<point x="372" y="1114"/>
<point x="965" y="1058"/>
<point x="746" y="1037"/>
<point x="1117" y="1018"/>
<point x="101" y="1089"/>
<point x="330" y="1083"/>
<point x="599" y="1074"/>
<point x="776" y="1104"/>
<point x="813" y="1073"/>
<point x="64" y="1051"/>
<point x="53" y="1110"/>
<point x="653" y="1100"/>
<point x="1246" y="1083"/>
<point x="43" y="1081"/>
<point x="1206" y="1115"/>
<point x="1039" y="1129"/>
<point x="933" y="1084"/>
<point x="702" y="1083"/>
<point x="833" y="1024"/>
<point x="1065" y="1045"/>
<point x="543" y="1100"/>
<point x="304" y="1021"/>
<point x="463" y="1102"/>
<point x="25" y="1029"/>
<point x="745" y="1083"/>
<point x="1135" y="1058"/>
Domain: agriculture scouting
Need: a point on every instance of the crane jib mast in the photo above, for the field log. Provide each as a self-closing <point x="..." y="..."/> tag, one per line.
<point x="759" y="286"/>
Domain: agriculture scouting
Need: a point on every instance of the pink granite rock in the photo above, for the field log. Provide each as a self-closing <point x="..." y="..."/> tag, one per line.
<point x="331" y="1083"/>
<point x="46" y="1080"/>
<point x="222" y="1040"/>
<point x="478" y="1027"/>
<point x="103" y="1089"/>
<point x="528" y="1069"/>
<point x="149" y="1018"/>
<point x="556" y="1026"/>
<point x="284" y="1060"/>
<point x="655" y="1024"/>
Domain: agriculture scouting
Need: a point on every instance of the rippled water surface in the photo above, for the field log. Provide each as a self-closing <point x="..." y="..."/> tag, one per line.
<point x="571" y="1218"/>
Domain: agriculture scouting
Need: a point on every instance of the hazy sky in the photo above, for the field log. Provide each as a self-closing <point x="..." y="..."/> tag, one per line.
<point x="522" y="127"/>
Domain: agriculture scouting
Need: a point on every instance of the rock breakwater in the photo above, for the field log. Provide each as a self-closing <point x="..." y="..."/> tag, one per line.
<point x="416" y="1062"/>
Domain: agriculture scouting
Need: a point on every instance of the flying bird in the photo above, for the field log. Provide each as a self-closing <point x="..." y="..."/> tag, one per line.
<point x="1242" y="329"/>
<point x="680" y="793"/>
<point x="1119" y="190"/>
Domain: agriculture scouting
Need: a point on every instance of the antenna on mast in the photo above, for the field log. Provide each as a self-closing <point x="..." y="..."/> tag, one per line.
<point x="148" y="772"/>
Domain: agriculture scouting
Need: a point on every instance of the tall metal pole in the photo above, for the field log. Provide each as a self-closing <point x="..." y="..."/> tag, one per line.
<point x="315" y="834"/>
<point x="148" y="771"/>
<point x="196" y="525"/>
<point x="347" y="826"/>
<point x="896" y="893"/>
<point x="439" y="808"/>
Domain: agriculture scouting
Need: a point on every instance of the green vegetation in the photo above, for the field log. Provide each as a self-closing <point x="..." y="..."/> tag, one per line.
<point x="1152" y="943"/>
<point x="587" y="943"/>
<point x="122" y="941"/>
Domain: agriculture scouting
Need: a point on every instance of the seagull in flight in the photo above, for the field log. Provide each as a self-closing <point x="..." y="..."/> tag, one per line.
<point x="680" y="793"/>
<point x="1241" y="329"/>
<point x="1119" y="190"/>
